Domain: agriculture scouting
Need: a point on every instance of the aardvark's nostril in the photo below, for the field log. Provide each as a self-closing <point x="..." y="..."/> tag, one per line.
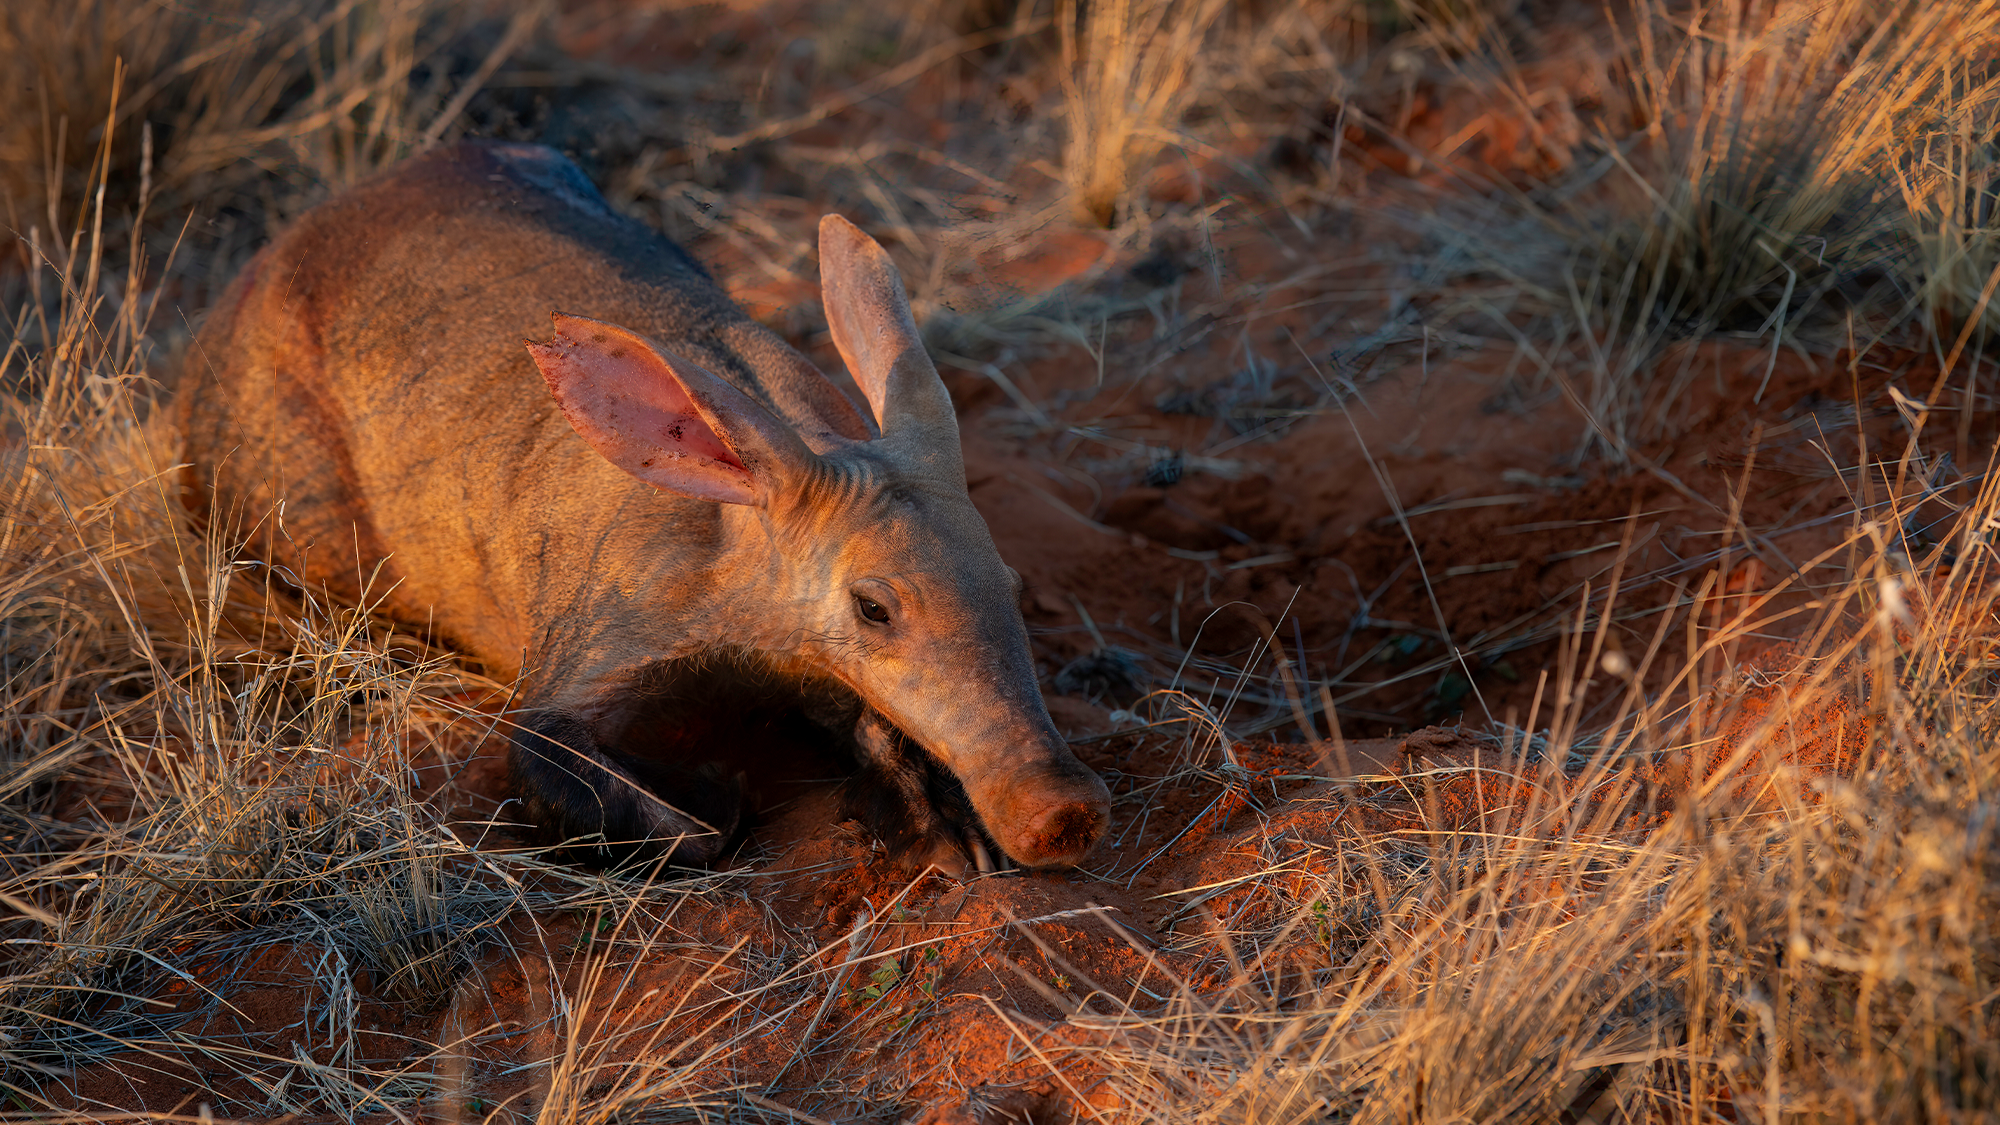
<point x="1063" y="833"/>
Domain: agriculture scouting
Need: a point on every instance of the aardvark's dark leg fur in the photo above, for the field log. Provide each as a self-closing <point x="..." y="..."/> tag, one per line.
<point x="913" y="805"/>
<point x="573" y="788"/>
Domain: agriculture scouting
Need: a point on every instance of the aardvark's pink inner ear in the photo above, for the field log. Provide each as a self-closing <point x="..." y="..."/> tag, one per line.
<point x="622" y="395"/>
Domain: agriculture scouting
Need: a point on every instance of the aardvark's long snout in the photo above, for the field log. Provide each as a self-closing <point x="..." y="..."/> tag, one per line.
<point x="1048" y="815"/>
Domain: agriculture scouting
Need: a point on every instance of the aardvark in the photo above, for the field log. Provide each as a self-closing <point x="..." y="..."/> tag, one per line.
<point x="654" y="492"/>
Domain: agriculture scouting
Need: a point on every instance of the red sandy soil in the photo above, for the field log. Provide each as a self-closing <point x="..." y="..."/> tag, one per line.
<point x="1282" y="525"/>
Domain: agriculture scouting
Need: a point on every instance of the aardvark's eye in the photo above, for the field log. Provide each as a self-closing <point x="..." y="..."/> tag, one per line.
<point x="871" y="609"/>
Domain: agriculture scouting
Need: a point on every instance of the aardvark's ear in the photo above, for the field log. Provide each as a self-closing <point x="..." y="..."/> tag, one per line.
<point x="877" y="337"/>
<point x="664" y="419"/>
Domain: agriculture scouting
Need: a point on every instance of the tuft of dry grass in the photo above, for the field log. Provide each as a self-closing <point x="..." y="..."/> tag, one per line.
<point x="1793" y="173"/>
<point x="1768" y="170"/>
<point x="237" y="105"/>
<point x="1774" y="129"/>
<point x="1124" y="73"/>
<point x="1947" y="188"/>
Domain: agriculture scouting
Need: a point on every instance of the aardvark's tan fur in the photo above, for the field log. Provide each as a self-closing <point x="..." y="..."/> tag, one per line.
<point x="693" y="493"/>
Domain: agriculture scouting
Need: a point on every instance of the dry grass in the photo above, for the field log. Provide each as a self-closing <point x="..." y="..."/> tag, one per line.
<point x="319" y="90"/>
<point x="1947" y="189"/>
<point x="1801" y="176"/>
<point x="240" y="108"/>
<point x="1125" y="68"/>
<point x="1754" y="937"/>
<point x="197" y="768"/>
<point x="1796" y="175"/>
